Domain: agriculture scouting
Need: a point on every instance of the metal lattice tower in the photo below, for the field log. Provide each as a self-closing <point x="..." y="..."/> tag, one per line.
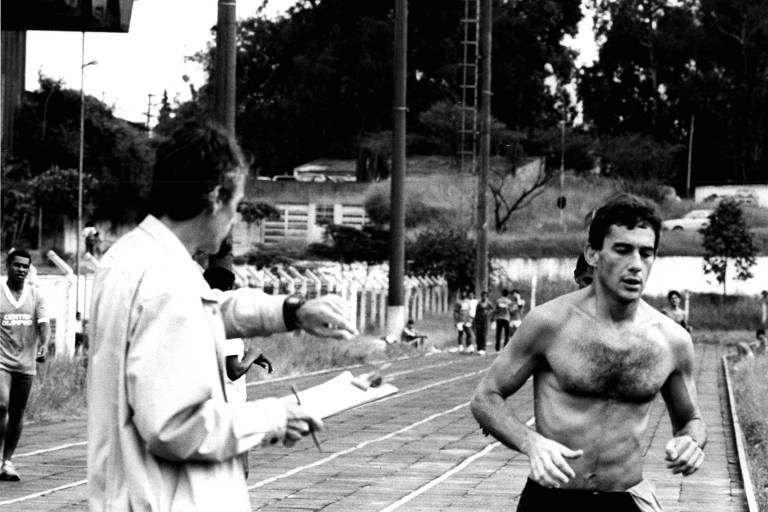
<point x="470" y="24"/>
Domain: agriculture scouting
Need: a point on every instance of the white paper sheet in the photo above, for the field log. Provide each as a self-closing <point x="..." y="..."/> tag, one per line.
<point x="337" y="395"/>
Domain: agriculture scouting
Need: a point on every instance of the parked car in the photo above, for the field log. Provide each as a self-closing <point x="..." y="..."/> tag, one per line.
<point x="694" y="220"/>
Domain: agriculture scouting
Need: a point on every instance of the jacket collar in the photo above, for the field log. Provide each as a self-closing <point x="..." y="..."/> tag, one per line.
<point x="176" y="251"/>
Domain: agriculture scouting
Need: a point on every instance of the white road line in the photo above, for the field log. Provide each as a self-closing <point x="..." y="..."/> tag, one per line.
<point x="416" y="390"/>
<point x="342" y="368"/>
<point x="445" y="476"/>
<point x="395" y="374"/>
<point x="359" y="446"/>
<point x="42" y="493"/>
<point x="46" y="450"/>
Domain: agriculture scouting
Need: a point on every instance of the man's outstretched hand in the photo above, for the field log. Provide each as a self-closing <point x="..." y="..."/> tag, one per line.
<point x="326" y="316"/>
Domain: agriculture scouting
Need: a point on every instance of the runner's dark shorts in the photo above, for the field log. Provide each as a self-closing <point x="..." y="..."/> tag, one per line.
<point x="536" y="498"/>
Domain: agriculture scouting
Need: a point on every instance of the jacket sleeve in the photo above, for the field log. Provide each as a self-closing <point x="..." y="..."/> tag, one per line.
<point x="172" y="377"/>
<point x="248" y="312"/>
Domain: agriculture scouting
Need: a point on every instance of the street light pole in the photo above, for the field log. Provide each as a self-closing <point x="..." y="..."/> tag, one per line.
<point x="562" y="163"/>
<point x="83" y="65"/>
<point x="80" y="176"/>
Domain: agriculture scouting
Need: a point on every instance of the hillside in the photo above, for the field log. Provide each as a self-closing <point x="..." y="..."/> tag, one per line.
<point x="536" y="230"/>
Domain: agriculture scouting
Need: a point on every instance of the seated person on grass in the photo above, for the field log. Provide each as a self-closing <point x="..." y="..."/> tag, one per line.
<point x="748" y="350"/>
<point x="411" y="335"/>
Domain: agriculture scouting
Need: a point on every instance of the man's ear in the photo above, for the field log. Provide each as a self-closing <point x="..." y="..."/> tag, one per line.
<point x="214" y="198"/>
<point x="590" y="254"/>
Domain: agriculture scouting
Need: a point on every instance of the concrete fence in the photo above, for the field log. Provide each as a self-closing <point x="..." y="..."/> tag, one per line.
<point x="364" y="287"/>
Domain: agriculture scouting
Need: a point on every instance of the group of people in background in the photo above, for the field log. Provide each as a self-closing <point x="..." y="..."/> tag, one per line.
<point x="474" y="318"/>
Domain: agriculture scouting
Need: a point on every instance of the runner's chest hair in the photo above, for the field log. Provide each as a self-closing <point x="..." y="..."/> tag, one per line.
<point x="626" y="368"/>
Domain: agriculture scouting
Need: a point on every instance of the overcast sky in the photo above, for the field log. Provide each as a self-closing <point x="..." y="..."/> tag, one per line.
<point x="151" y="57"/>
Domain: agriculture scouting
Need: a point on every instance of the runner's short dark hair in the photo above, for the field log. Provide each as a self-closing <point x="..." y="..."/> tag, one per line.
<point x="626" y="210"/>
<point x="672" y="293"/>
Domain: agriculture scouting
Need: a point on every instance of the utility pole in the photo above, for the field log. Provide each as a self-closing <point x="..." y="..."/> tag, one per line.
<point x="486" y="21"/>
<point x="226" y="36"/>
<point x="149" y="110"/>
<point x="395" y="298"/>
<point x="224" y="96"/>
<point x="690" y="158"/>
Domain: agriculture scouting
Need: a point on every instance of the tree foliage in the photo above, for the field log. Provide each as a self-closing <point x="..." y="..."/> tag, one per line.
<point x="315" y="82"/>
<point x="348" y="244"/>
<point x="727" y="239"/>
<point x="446" y="251"/>
<point x="662" y="63"/>
<point x="117" y="154"/>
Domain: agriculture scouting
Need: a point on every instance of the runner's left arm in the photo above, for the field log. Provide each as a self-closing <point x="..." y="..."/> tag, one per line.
<point x="684" y="452"/>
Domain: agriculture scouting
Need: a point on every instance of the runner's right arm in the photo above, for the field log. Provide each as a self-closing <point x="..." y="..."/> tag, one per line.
<point x="509" y="372"/>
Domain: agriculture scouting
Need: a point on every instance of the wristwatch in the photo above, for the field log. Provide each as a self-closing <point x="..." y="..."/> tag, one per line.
<point x="291" y="306"/>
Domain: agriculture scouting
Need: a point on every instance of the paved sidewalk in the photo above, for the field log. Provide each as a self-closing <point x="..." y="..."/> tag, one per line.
<point x="419" y="450"/>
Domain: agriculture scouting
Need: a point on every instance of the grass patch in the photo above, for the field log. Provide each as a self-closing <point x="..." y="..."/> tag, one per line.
<point x="58" y="391"/>
<point x="751" y="390"/>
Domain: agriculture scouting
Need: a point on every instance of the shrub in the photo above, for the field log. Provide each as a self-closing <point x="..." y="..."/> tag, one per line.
<point x="442" y="250"/>
<point x="417" y="211"/>
<point x="349" y="244"/>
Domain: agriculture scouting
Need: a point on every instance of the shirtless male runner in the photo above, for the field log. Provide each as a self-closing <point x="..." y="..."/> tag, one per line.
<point x="598" y="357"/>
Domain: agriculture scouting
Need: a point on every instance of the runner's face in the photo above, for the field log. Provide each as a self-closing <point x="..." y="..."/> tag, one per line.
<point x="625" y="261"/>
<point x="18" y="269"/>
<point x="674" y="301"/>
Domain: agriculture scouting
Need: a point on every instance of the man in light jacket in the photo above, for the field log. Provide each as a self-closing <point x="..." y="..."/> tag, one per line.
<point x="161" y="435"/>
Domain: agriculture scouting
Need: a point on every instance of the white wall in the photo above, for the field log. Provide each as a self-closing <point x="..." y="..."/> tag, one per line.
<point x="678" y="272"/>
<point x="746" y="193"/>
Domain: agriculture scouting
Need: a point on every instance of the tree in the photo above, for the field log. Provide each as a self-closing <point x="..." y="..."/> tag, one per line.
<point x="348" y="244"/>
<point x="116" y="153"/>
<point x="511" y="193"/>
<point x="728" y="239"/>
<point x="317" y="81"/>
<point x="443" y="251"/>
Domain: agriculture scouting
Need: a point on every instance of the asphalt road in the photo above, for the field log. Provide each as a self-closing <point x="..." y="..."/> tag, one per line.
<point x="418" y="450"/>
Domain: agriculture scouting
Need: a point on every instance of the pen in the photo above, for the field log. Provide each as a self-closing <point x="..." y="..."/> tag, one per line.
<point x="311" y="431"/>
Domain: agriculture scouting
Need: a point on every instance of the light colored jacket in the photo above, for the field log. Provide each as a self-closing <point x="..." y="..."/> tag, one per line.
<point x="161" y="435"/>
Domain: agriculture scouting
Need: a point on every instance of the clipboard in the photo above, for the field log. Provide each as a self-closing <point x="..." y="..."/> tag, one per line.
<point x="337" y="395"/>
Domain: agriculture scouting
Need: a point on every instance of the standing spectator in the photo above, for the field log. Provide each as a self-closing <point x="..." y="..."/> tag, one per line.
<point x="583" y="274"/>
<point x="469" y="327"/>
<point x="483" y="313"/>
<point x="24" y="335"/>
<point x="516" y="312"/>
<point x="674" y="311"/>
<point x="89" y="234"/>
<point x="463" y="319"/>
<point x="81" y="347"/>
<point x="161" y="435"/>
<point x="503" y="316"/>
